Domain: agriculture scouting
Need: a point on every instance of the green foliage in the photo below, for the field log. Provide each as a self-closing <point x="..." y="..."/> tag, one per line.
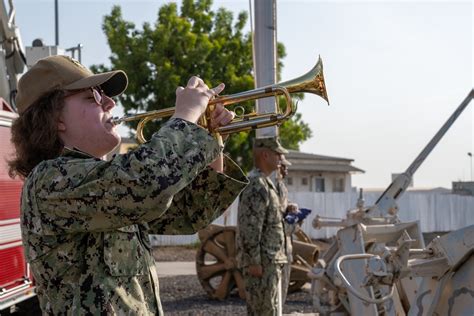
<point x="195" y="41"/>
<point x="293" y="131"/>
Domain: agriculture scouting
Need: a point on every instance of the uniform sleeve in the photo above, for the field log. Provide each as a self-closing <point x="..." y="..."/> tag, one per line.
<point x="95" y="195"/>
<point x="201" y="202"/>
<point x="282" y="193"/>
<point x="251" y="217"/>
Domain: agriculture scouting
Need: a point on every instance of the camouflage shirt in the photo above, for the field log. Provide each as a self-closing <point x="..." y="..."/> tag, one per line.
<point x="85" y="221"/>
<point x="260" y="230"/>
<point x="289" y="228"/>
<point x="282" y="193"/>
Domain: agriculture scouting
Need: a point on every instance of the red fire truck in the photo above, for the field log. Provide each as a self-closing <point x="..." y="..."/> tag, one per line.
<point x="16" y="283"/>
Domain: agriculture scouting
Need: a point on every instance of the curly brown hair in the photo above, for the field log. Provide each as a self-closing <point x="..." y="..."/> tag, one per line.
<point x="35" y="134"/>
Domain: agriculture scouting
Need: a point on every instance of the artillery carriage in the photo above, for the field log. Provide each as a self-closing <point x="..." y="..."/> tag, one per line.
<point x="379" y="265"/>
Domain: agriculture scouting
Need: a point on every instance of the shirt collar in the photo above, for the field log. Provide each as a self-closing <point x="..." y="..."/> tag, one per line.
<point x="74" y="152"/>
<point x="267" y="178"/>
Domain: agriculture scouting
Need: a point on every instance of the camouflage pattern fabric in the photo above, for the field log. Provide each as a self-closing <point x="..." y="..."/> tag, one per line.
<point x="282" y="192"/>
<point x="285" y="281"/>
<point x="262" y="293"/>
<point x="85" y="221"/>
<point x="260" y="237"/>
<point x="289" y="229"/>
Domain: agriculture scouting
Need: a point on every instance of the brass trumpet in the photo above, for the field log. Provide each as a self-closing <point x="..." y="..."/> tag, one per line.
<point x="311" y="82"/>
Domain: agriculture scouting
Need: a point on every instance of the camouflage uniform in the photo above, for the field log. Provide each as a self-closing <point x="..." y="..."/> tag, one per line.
<point x="85" y="221"/>
<point x="289" y="229"/>
<point x="261" y="241"/>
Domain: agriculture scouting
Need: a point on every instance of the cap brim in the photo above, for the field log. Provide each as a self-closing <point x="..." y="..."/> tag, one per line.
<point x="281" y="150"/>
<point x="286" y="162"/>
<point x="113" y="83"/>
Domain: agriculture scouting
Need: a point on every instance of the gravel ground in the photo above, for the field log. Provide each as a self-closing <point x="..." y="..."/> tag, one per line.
<point x="183" y="295"/>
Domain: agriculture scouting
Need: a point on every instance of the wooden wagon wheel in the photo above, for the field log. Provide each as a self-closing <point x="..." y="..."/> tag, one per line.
<point x="216" y="264"/>
<point x="303" y="249"/>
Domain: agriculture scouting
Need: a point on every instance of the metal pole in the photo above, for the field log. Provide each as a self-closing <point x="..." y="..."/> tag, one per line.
<point x="386" y="203"/>
<point x="56" y="25"/>
<point x="470" y="156"/>
<point x="265" y="58"/>
<point x="434" y="141"/>
<point x="79" y="52"/>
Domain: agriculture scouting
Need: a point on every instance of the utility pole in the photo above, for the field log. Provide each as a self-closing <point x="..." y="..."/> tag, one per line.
<point x="265" y="57"/>
<point x="56" y="21"/>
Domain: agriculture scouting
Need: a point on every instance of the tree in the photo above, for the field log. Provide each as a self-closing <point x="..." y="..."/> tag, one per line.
<point x="196" y="41"/>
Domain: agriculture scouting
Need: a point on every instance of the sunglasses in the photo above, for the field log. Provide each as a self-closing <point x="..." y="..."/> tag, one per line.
<point x="97" y="93"/>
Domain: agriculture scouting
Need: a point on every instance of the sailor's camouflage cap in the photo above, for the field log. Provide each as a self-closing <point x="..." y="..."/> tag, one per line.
<point x="271" y="143"/>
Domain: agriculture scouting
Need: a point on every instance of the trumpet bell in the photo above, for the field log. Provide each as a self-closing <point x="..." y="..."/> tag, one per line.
<point x="311" y="82"/>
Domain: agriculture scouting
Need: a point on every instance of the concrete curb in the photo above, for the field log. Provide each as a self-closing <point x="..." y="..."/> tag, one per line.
<point x="171" y="268"/>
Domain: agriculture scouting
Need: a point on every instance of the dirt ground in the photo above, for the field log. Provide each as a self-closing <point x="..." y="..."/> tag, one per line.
<point x="174" y="253"/>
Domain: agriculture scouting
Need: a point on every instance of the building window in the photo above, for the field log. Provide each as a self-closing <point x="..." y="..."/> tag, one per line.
<point x="319" y="185"/>
<point x="338" y="185"/>
<point x="304" y="181"/>
<point x="289" y="181"/>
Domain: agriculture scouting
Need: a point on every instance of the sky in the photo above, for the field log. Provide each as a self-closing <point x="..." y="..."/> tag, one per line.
<point x="395" y="71"/>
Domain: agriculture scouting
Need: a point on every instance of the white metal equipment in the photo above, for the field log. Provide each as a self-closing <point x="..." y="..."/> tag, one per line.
<point x="380" y="266"/>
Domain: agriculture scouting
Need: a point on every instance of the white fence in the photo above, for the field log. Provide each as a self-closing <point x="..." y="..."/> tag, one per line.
<point x="436" y="212"/>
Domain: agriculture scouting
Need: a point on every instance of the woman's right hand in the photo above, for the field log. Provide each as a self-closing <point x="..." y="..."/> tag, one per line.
<point x="192" y="101"/>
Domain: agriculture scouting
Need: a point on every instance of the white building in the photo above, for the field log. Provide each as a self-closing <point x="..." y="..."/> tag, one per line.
<point x="317" y="173"/>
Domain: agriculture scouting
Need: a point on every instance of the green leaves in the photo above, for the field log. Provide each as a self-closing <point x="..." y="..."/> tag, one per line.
<point x="197" y="41"/>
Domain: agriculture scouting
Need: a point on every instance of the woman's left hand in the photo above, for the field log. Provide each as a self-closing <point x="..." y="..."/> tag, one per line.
<point x="221" y="116"/>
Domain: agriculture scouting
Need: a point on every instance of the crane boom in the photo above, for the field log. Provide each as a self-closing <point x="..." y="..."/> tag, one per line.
<point x="12" y="56"/>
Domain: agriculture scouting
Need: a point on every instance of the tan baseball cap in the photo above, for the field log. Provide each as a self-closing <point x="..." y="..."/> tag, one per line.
<point x="271" y="143"/>
<point x="61" y="72"/>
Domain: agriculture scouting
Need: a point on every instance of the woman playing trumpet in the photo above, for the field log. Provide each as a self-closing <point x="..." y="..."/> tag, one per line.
<point x="85" y="221"/>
